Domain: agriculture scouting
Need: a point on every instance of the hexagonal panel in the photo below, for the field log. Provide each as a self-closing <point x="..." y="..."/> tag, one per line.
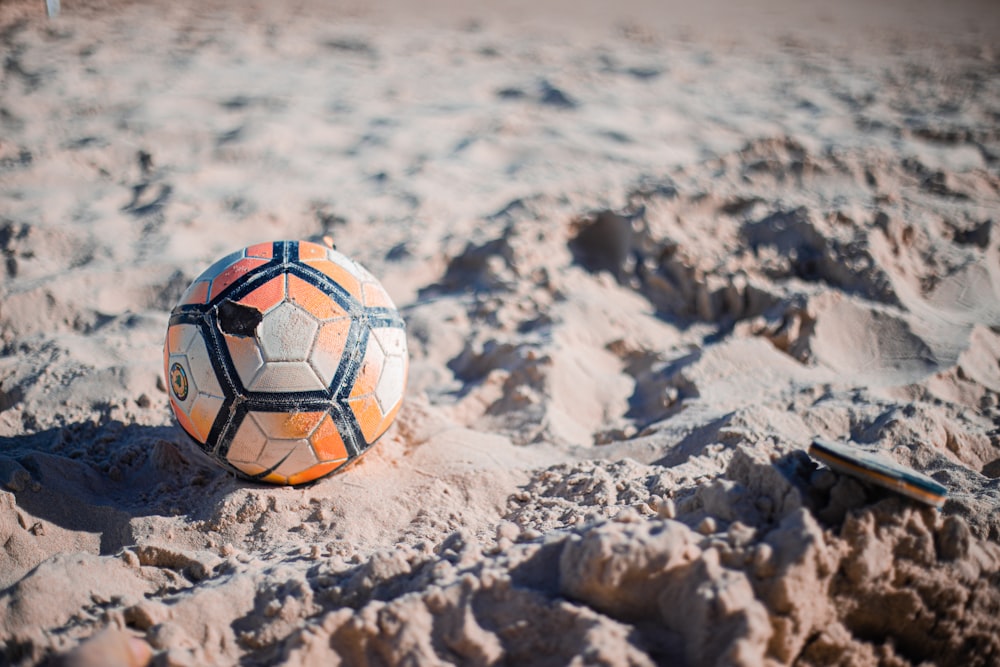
<point x="329" y="348"/>
<point x="287" y="333"/>
<point x="285" y="376"/>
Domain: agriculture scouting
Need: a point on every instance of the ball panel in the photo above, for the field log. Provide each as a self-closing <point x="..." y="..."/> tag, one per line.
<point x="286" y="376"/>
<point x="221" y="265"/>
<point x="185" y="421"/>
<point x="287" y="457"/>
<point x="287" y="333"/>
<point x="179" y="337"/>
<point x="391" y="384"/>
<point x="315" y="472"/>
<point x="392" y="340"/>
<point x="203" y="414"/>
<point x="247" y="444"/>
<point x="309" y="250"/>
<point x="371" y="369"/>
<point x="369" y="416"/>
<point x="246" y="356"/>
<point x="312" y="300"/>
<point x="196" y="294"/>
<point x="327" y="442"/>
<point x="329" y="348"/>
<point x="375" y="296"/>
<point x="201" y="369"/>
<point x="339" y="275"/>
<point x="288" y="425"/>
<point x="232" y="273"/>
<point x="267" y="296"/>
<point x="261" y="251"/>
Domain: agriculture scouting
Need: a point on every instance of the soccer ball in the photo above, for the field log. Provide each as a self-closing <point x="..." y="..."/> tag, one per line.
<point x="285" y="361"/>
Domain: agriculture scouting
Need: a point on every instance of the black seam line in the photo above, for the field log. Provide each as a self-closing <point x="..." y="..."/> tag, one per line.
<point x="262" y="475"/>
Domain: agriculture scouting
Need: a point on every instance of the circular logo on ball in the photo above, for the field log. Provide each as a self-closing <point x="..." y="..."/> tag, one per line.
<point x="179" y="382"/>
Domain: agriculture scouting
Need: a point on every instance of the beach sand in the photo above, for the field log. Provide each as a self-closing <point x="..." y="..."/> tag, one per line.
<point x="644" y="257"/>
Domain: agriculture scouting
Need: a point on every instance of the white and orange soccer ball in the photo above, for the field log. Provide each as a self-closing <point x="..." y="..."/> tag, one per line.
<point x="285" y="361"/>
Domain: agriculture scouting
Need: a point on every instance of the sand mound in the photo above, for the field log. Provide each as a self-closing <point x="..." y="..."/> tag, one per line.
<point x="640" y="269"/>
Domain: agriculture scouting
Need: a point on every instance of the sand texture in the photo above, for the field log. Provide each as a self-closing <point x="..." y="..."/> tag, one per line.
<point x="642" y="262"/>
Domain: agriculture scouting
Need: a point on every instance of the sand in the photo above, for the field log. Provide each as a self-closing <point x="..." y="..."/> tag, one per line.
<point x="644" y="258"/>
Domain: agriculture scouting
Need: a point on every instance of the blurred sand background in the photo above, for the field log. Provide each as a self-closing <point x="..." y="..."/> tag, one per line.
<point x="644" y="255"/>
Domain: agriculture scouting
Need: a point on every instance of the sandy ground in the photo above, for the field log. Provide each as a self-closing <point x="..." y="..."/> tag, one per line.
<point x="643" y="259"/>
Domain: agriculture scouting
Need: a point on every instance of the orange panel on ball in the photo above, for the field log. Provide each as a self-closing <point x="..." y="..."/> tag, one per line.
<point x="233" y="273"/>
<point x="267" y="295"/>
<point x="308" y="250"/>
<point x="261" y="251"/>
<point x="184" y="421"/>
<point x="371" y="369"/>
<point x="288" y="425"/>
<point x="339" y="275"/>
<point x="197" y="294"/>
<point x="327" y="443"/>
<point x="369" y="416"/>
<point x="314" y="472"/>
<point x="313" y="300"/>
<point x="376" y="297"/>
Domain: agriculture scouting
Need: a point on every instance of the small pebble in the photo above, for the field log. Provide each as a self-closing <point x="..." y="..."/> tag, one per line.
<point x="707" y="526"/>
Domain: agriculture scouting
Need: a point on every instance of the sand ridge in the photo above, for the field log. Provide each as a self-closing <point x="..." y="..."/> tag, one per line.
<point x="640" y="270"/>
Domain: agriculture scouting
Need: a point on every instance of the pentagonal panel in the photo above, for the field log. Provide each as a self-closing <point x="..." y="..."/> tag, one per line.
<point x="287" y="333"/>
<point x="203" y="414"/>
<point x="285" y="376"/>
<point x="246" y="356"/>
<point x="391" y="384"/>
<point x="329" y="348"/>
<point x="287" y="425"/>
<point x="371" y="369"/>
<point x="202" y="371"/>
<point x="313" y="300"/>
<point x="248" y="443"/>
